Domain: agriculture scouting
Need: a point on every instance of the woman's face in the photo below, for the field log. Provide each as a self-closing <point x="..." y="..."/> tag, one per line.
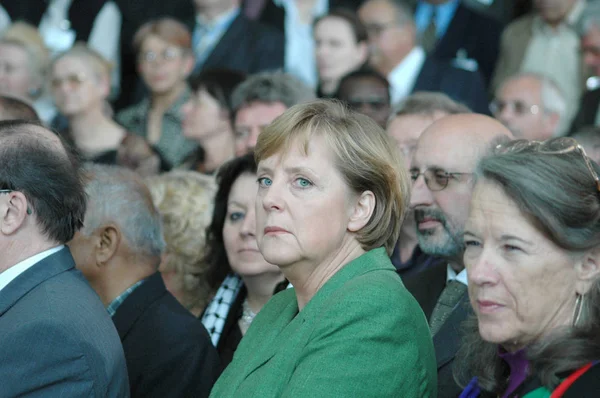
<point x="239" y="230"/>
<point x="16" y="78"/>
<point x="337" y="51"/>
<point x="202" y="116"/>
<point x="76" y="88"/>
<point x="521" y="285"/>
<point x="303" y="207"/>
<point x="163" y="65"/>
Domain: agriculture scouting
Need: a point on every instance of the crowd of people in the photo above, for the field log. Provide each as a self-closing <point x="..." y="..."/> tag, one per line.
<point x="300" y="198"/>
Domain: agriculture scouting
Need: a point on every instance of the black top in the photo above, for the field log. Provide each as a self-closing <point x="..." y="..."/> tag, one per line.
<point x="232" y="334"/>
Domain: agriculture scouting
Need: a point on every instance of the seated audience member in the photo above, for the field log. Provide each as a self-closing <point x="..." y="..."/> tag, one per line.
<point x="332" y="193"/>
<point x="340" y="48"/>
<point x="589" y="31"/>
<point x="532" y="106"/>
<point x="12" y="108"/>
<point x="165" y="60"/>
<point x="259" y="100"/>
<point x="408" y="120"/>
<point x="532" y="254"/>
<point x="368" y="92"/>
<point x="57" y="339"/>
<point x="118" y="250"/>
<point x="589" y="138"/>
<point x="24" y="64"/>
<point x="207" y="118"/>
<point x="452" y="30"/>
<point x="184" y="200"/>
<point x="396" y="55"/>
<point x="296" y="20"/>
<point x="223" y="37"/>
<point x="245" y="281"/>
<point x="545" y="41"/>
<point x="441" y="169"/>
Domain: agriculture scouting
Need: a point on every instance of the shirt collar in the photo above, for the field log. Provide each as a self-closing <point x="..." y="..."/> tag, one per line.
<point x="444" y="14"/>
<point x="116" y="303"/>
<point x="404" y="75"/>
<point x="13" y="272"/>
<point x="320" y="8"/>
<point x="461" y="277"/>
<point x="219" y="22"/>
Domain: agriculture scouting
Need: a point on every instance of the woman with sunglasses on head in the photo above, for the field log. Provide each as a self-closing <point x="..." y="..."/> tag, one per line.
<point x="533" y="263"/>
<point x="165" y="60"/>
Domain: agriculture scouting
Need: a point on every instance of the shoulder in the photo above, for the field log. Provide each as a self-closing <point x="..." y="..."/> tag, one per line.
<point x="518" y="26"/>
<point x="132" y="112"/>
<point x="587" y="385"/>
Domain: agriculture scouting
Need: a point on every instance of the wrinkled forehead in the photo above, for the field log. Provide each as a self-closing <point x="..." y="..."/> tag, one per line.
<point x="452" y="152"/>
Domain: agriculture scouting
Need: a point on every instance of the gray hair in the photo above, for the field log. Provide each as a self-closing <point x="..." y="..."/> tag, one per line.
<point x="590" y="17"/>
<point x="117" y="195"/>
<point x="560" y="197"/>
<point x="427" y="104"/>
<point x="271" y="87"/>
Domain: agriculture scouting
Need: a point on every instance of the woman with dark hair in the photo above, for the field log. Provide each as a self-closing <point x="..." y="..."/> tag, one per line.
<point x="533" y="263"/>
<point x="340" y="48"/>
<point x="207" y="118"/>
<point x="245" y="281"/>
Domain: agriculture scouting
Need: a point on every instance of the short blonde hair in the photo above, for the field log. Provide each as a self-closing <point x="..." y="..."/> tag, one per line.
<point x="364" y="155"/>
<point x="185" y="200"/>
<point x="101" y="67"/>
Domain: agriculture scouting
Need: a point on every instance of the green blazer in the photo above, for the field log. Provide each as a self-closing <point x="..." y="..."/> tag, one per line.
<point x="362" y="335"/>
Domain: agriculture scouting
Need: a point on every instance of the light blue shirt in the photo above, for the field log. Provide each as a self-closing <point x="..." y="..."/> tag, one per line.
<point x="207" y="35"/>
<point x="445" y="13"/>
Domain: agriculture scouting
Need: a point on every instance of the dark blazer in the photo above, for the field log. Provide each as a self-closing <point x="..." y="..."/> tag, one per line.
<point x="427" y="287"/>
<point x="247" y="46"/>
<point x="167" y="349"/>
<point x="477" y="35"/>
<point x="588" y="108"/>
<point x="57" y="340"/>
<point x="461" y="85"/>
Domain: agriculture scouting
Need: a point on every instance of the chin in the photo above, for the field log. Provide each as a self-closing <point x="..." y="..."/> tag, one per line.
<point x="494" y="333"/>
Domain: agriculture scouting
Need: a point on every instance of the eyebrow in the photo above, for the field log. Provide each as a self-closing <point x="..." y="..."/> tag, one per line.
<point x="288" y="170"/>
<point x="235" y="203"/>
<point x="512" y="237"/>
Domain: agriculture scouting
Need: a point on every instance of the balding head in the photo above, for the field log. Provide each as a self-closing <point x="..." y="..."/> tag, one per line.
<point x="446" y="156"/>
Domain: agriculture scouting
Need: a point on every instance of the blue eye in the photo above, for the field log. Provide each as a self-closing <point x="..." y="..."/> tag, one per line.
<point x="264" y="182"/>
<point x="303" y="182"/>
<point x="236" y="216"/>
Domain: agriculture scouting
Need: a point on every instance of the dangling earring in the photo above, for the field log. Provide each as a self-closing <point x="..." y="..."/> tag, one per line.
<point x="578" y="309"/>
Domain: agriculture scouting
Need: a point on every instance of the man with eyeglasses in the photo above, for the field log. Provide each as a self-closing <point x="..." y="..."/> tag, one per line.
<point x="532" y="106"/>
<point x="57" y="338"/>
<point x="442" y="169"/>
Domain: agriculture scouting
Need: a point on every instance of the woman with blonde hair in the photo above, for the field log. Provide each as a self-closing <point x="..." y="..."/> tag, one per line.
<point x="185" y="201"/>
<point x="332" y="193"/>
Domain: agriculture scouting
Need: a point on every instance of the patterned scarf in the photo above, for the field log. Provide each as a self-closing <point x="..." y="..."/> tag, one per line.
<point x="217" y="310"/>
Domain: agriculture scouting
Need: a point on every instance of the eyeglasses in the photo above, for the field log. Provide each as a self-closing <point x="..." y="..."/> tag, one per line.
<point x="168" y="54"/>
<point x="518" y="107"/>
<point x="12" y="190"/>
<point x="553" y="146"/>
<point x="435" y="179"/>
<point x="73" y="80"/>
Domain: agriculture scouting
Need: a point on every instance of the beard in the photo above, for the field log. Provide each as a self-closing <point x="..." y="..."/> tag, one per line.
<point x="446" y="242"/>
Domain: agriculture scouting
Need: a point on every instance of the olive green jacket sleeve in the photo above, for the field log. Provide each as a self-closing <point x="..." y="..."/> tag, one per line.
<point x="361" y="335"/>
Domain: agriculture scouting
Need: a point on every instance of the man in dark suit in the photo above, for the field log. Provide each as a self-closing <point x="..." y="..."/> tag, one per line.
<point x="223" y="37"/>
<point x="57" y="339"/>
<point x="451" y="31"/>
<point x="119" y="249"/>
<point x="442" y="172"/>
<point x="392" y="37"/>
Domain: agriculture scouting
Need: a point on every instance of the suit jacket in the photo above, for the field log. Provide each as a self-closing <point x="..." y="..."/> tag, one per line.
<point x="427" y="287"/>
<point x="461" y="85"/>
<point x="361" y="335"/>
<point x="588" y="109"/>
<point x="475" y="35"/>
<point x="168" y="351"/>
<point x="57" y="338"/>
<point x="247" y="46"/>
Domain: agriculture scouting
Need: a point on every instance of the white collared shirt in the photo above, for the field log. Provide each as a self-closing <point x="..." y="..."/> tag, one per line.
<point x="461" y="277"/>
<point x="404" y="76"/>
<point x="10" y="274"/>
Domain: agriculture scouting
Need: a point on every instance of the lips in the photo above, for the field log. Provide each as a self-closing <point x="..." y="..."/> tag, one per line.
<point x="488" y="307"/>
<point x="275" y="230"/>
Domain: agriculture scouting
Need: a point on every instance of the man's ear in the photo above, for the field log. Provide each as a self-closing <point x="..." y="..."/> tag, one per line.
<point x="14" y="213"/>
<point x="587" y="271"/>
<point x="362" y="212"/>
<point x="188" y="64"/>
<point x="108" y="243"/>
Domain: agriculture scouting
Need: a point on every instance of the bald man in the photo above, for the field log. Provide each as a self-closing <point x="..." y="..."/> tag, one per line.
<point x="442" y="170"/>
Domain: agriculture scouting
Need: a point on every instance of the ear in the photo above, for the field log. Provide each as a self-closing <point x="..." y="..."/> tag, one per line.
<point x="587" y="271"/>
<point x="108" y="243"/>
<point x="362" y="212"/>
<point x="188" y="64"/>
<point x="104" y="83"/>
<point x="363" y="52"/>
<point x="14" y="213"/>
<point x="551" y="120"/>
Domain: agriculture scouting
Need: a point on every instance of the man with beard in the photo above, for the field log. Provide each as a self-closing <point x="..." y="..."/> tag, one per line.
<point x="442" y="170"/>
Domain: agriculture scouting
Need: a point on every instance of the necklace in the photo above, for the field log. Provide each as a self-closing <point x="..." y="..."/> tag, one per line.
<point x="247" y="314"/>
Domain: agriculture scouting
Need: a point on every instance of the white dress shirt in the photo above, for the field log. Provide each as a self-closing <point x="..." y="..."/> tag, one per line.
<point x="404" y="76"/>
<point x="460" y="277"/>
<point x="13" y="272"/>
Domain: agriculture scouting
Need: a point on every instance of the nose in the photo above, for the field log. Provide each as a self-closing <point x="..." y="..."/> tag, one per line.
<point x="249" y="223"/>
<point x="479" y="262"/>
<point x="252" y="138"/>
<point x="271" y="198"/>
<point x="506" y="114"/>
<point x="421" y="194"/>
